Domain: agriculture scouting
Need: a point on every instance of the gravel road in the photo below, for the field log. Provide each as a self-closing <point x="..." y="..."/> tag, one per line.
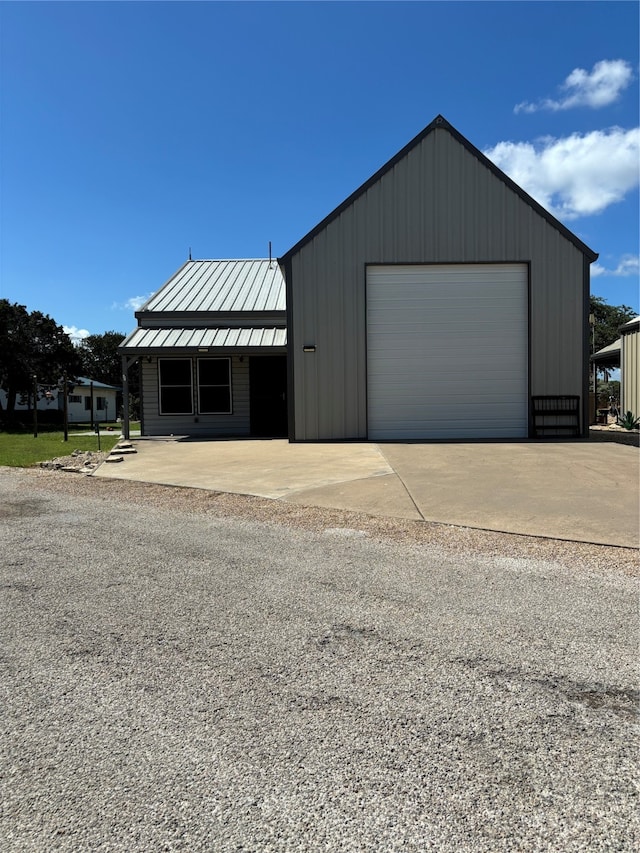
<point x="185" y="670"/>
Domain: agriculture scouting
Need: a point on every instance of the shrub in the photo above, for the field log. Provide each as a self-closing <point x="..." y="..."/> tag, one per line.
<point x="629" y="421"/>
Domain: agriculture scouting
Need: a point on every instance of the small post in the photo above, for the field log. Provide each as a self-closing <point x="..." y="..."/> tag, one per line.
<point x="35" y="406"/>
<point x="125" y="397"/>
<point x="65" y="407"/>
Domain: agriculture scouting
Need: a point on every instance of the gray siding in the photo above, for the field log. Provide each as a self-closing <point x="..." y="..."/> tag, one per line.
<point x="630" y="397"/>
<point x="439" y="204"/>
<point x="236" y="424"/>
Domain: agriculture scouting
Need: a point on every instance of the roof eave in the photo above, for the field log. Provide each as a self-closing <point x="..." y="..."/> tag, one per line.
<point x="171" y="352"/>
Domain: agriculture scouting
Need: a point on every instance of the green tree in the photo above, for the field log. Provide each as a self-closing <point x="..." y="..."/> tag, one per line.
<point x="607" y="321"/>
<point x="101" y="360"/>
<point x="32" y="345"/>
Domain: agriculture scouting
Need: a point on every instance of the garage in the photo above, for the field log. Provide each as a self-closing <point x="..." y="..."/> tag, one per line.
<point x="438" y="301"/>
<point x="447" y="351"/>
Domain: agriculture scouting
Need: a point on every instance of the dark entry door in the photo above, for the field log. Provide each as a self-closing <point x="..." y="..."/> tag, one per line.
<point x="268" y="396"/>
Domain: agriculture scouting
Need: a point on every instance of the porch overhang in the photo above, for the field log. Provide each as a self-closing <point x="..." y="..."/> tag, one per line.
<point x="213" y="341"/>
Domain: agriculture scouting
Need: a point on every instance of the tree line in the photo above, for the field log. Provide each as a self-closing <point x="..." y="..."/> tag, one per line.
<point x="34" y="348"/>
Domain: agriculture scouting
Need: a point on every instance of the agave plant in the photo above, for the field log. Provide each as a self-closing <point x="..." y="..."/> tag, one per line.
<point x="629" y="421"/>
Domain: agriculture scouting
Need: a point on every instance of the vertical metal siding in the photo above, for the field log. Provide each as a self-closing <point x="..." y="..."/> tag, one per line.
<point x="439" y="204"/>
<point x="631" y="373"/>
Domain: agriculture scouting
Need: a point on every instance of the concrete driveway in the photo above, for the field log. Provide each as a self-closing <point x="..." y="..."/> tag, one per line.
<point x="564" y="490"/>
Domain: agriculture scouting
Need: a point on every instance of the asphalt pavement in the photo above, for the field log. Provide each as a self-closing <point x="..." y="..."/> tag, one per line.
<point x="174" y="680"/>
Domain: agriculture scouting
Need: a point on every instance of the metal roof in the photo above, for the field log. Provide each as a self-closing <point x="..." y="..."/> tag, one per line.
<point x="610" y="353"/>
<point x="630" y="326"/>
<point x="156" y="339"/>
<point x="84" y="380"/>
<point x="224" y="285"/>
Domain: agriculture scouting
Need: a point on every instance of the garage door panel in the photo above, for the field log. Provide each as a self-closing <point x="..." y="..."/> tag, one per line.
<point x="447" y="351"/>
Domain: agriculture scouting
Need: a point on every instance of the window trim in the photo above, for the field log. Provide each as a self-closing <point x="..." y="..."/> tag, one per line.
<point x="162" y="385"/>
<point x="228" y="385"/>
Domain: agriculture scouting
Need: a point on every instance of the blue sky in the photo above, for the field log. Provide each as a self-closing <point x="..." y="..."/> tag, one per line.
<point x="133" y="131"/>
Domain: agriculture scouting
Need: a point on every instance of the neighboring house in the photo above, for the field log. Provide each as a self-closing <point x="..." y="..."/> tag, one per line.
<point x="91" y="401"/>
<point x="212" y="348"/>
<point x="630" y="367"/>
<point x="434" y="302"/>
<point x="84" y="395"/>
<point x="625" y="354"/>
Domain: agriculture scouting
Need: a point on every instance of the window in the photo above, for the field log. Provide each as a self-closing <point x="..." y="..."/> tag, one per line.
<point x="176" y="394"/>
<point x="214" y="386"/>
<point x="75" y="398"/>
<point x="87" y="404"/>
<point x="101" y="402"/>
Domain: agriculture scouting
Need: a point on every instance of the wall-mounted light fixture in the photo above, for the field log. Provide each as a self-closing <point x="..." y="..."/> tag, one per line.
<point x="309" y="348"/>
<point x="203" y="349"/>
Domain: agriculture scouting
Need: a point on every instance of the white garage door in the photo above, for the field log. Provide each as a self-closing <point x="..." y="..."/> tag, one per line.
<point x="447" y="351"/>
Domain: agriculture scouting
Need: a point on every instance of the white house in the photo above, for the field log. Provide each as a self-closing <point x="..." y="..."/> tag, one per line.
<point x="85" y="397"/>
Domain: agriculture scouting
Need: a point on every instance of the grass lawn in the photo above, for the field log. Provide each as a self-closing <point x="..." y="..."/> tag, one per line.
<point x="21" y="450"/>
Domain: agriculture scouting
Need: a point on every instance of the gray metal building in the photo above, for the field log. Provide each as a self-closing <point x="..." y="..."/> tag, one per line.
<point x="435" y="302"/>
<point x="211" y="347"/>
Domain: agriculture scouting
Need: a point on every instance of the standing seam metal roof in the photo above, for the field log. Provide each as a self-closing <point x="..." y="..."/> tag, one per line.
<point x="147" y="339"/>
<point x="221" y="285"/>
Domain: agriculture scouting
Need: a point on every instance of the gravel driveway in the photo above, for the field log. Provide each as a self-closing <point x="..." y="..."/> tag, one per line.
<point x="184" y="670"/>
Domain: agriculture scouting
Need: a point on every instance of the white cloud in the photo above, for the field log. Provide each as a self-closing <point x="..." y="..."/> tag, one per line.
<point x="132" y="304"/>
<point x="627" y="265"/>
<point x="76" y="334"/>
<point x="578" y="175"/>
<point x="598" y="88"/>
<point x="136" y="302"/>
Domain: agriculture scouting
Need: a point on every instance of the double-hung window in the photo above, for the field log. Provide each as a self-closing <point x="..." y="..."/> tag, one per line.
<point x="214" y="386"/>
<point x="176" y="386"/>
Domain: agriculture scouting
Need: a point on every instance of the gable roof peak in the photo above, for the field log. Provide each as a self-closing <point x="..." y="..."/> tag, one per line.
<point x="441" y="123"/>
